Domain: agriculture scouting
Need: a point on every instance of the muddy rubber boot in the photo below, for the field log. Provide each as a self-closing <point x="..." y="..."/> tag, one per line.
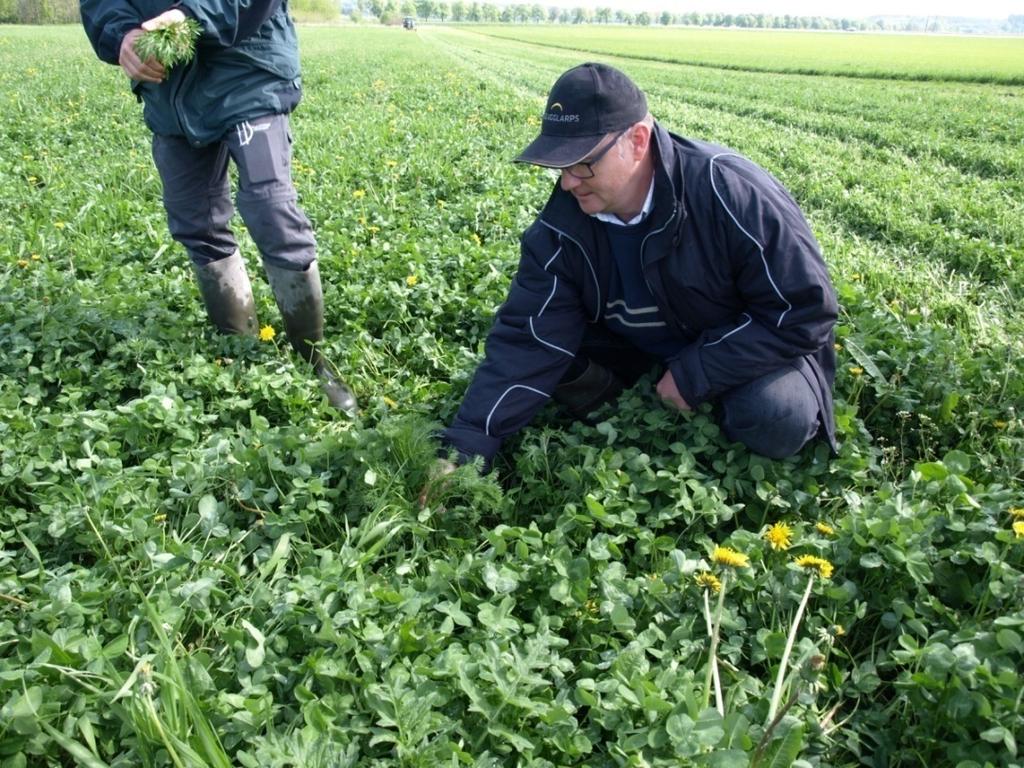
<point x="592" y="388"/>
<point x="301" y="301"/>
<point x="227" y="295"/>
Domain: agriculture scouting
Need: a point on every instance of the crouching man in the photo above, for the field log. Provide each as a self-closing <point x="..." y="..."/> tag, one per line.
<point x="656" y="250"/>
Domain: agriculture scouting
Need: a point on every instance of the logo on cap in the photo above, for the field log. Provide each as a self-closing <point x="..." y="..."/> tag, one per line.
<point x="552" y="116"/>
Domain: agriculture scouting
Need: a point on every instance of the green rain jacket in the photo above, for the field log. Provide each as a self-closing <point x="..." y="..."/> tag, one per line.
<point x="246" y="63"/>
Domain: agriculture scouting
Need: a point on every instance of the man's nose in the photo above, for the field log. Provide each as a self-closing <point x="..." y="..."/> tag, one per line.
<point x="568" y="181"/>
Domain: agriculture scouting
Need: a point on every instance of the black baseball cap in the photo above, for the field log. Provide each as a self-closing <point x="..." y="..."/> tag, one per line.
<point x="585" y="104"/>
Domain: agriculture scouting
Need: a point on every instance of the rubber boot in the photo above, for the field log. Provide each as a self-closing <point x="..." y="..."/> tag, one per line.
<point x="592" y="388"/>
<point x="227" y="294"/>
<point x="300" y="298"/>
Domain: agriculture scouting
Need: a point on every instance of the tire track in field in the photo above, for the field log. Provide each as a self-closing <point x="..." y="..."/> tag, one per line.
<point x="886" y="202"/>
<point x="881" y="75"/>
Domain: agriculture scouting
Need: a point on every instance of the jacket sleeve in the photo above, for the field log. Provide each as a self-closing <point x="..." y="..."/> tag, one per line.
<point x="789" y="304"/>
<point x="106" y="23"/>
<point x="535" y="337"/>
<point x="228" y="22"/>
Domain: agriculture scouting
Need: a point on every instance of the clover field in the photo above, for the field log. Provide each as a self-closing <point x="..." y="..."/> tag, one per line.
<point x="202" y="565"/>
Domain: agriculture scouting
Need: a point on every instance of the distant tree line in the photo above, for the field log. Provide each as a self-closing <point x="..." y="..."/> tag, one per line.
<point x="38" y="11"/>
<point x="392" y="11"/>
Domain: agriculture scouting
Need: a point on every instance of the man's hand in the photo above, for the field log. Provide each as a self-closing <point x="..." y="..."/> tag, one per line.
<point x="668" y="391"/>
<point x="165" y="19"/>
<point x="148" y="71"/>
<point x="437" y="480"/>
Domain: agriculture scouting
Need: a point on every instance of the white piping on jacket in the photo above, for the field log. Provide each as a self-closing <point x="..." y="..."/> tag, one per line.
<point x="624" y="321"/>
<point x="548" y="343"/>
<point x="631" y="310"/>
<point x="487" y="424"/>
<point x="554" y="287"/>
<point x="760" y="248"/>
<point x="737" y="329"/>
<point x="590" y="266"/>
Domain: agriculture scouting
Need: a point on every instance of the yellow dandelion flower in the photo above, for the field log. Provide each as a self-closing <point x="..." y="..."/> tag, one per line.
<point x="1018" y="529"/>
<point x="358" y="194"/>
<point x="837" y="630"/>
<point x="825" y="529"/>
<point x="837" y="347"/>
<point x="730" y="557"/>
<point x="35" y="257"/>
<point x="23" y="263"/>
<point x="411" y="280"/>
<point x="999" y="424"/>
<point x="1017" y="513"/>
<point x="389" y="402"/>
<point x="708" y="580"/>
<point x="819" y="564"/>
<point x="59" y="224"/>
<point x="475" y="238"/>
<point x="856" y="370"/>
<point x="780" y="536"/>
<point x="372" y="229"/>
<point x="390" y="163"/>
<point x="440" y="203"/>
<point x="267" y="333"/>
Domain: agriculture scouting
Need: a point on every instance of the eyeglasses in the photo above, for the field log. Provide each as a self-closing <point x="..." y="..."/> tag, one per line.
<point x="585" y="170"/>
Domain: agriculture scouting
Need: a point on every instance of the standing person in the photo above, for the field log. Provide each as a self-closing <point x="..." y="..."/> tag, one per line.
<point x="231" y="101"/>
<point x="656" y="250"/>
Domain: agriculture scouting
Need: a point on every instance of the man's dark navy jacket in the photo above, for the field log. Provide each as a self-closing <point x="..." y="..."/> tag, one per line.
<point x="733" y="267"/>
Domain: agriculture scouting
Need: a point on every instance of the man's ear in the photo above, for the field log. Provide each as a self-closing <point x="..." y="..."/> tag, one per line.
<point x="640" y="140"/>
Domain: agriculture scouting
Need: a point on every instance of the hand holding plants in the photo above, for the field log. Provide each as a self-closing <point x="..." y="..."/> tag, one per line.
<point x="147" y="70"/>
<point x="164" y="20"/>
<point x="160" y="43"/>
<point x="436" y="482"/>
<point x="669" y="392"/>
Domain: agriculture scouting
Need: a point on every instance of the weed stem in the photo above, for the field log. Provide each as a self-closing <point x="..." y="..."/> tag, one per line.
<point x="781" y="678"/>
<point x="714" y="631"/>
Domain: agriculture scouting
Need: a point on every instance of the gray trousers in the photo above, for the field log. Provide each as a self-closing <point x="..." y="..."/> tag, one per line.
<point x="774" y="415"/>
<point x="197" y="194"/>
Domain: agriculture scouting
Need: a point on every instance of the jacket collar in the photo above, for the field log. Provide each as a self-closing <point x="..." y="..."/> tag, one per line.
<point x="562" y="213"/>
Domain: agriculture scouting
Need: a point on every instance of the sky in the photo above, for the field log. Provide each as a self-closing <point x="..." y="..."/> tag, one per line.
<point x="997" y="9"/>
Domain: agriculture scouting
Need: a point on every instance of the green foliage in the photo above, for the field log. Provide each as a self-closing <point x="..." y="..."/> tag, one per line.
<point x="199" y="561"/>
<point x="171" y="44"/>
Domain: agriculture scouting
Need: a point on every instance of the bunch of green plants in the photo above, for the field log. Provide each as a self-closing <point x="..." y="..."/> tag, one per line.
<point x="171" y="44"/>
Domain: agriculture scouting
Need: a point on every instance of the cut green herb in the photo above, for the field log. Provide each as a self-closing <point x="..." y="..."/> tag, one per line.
<point x="170" y="45"/>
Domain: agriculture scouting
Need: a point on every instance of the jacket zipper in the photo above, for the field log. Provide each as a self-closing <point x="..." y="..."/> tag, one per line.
<point x="643" y="265"/>
<point x="593" y="272"/>
<point x="179" y="114"/>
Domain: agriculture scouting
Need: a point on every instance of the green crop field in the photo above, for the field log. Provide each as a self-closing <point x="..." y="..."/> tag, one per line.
<point x="202" y="565"/>
<point x="901" y="57"/>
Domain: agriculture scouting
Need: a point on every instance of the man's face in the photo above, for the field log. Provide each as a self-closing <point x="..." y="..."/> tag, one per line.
<point x="610" y="162"/>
